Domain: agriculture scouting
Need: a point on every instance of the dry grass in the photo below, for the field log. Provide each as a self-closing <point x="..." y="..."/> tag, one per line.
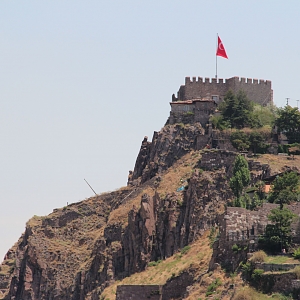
<point x="259" y="256"/>
<point x="281" y="259"/>
<point x="120" y="215"/>
<point x="240" y="291"/>
<point x="244" y="294"/>
<point x="248" y="293"/>
<point x="176" y="175"/>
<point x="173" y="178"/>
<point x="278" y="162"/>
<point x="34" y="221"/>
<point x="198" y="257"/>
<point x="296" y="270"/>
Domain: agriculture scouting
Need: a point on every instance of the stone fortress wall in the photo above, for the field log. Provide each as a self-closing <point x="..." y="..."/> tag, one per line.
<point x="240" y="224"/>
<point x="197" y="100"/>
<point x="141" y="292"/>
<point x="259" y="91"/>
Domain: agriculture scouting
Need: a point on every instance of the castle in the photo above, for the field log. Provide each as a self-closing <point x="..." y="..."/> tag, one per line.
<point x="199" y="98"/>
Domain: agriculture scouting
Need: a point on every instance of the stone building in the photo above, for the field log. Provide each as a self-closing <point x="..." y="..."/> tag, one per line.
<point x="240" y="224"/>
<point x="259" y="91"/>
<point x="190" y="111"/>
<point x="197" y="100"/>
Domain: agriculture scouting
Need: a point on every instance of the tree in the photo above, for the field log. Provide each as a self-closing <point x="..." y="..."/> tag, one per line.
<point x="240" y="140"/>
<point x="264" y="115"/>
<point x="285" y="188"/>
<point x="229" y="106"/>
<point x="257" y="141"/>
<point x="278" y="235"/>
<point x="241" y="176"/>
<point x="237" y="109"/>
<point x="288" y="122"/>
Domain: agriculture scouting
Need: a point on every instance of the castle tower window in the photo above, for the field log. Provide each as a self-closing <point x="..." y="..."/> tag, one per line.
<point x="252" y="230"/>
<point x="215" y="98"/>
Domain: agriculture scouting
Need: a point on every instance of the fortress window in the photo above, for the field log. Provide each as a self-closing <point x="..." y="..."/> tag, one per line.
<point x="215" y="98"/>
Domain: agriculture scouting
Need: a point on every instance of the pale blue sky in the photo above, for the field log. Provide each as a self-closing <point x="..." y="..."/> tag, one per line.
<point x="82" y="82"/>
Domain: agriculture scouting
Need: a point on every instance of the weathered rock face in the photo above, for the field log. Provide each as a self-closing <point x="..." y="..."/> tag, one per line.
<point x="74" y="254"/>
<point x="167" y="145"/>
<point x="165" y="224"/>
<point x="53" y="250"/>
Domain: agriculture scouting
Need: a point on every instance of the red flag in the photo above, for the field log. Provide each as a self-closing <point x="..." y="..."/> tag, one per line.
<point x="221" y="50"/>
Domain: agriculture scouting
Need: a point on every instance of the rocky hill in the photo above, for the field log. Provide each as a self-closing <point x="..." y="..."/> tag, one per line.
<point x="154" y="231"/>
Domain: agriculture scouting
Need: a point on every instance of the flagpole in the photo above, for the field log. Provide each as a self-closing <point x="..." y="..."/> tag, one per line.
<point x="217" y="59"/>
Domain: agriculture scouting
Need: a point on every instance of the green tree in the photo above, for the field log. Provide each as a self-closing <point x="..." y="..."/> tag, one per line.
<point x="237" y="109"/>
<point x="240" y="140"/>
<point x="257" y="142"/>
<point x="264" y="115"/>
<point x="219" y="123"/>
<point x="278" y="235"/>
<point x="288" y="122"/>
<point x="241" y="176"/>
<point x="285" y="188"/>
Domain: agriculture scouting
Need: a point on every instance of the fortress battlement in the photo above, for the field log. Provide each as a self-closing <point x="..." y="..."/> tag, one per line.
<point x="257" y="90"/>
<point x="236" y="79"/>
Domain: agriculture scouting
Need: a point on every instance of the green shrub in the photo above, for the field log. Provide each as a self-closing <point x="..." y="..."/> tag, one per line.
<point x="154" y="263"/>
<point x="236" y="248"/>
<point x="213" y="286"/>
<point x="247" y="269"/>
<point x="185" y="249"/>
<point x="296" y="253"/>
<point x="256" y="275"/>
<point x="189" y="113"/>
<point x="213" y="236"/>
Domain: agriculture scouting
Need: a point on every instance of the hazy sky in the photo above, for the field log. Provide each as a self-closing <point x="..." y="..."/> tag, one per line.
<point x="82" y="82"/>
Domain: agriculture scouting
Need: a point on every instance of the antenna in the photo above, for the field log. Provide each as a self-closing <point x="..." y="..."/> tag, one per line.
<point x="287" y="101"/>
<point x="90" y="187"/>
<point x="297" y="104"/>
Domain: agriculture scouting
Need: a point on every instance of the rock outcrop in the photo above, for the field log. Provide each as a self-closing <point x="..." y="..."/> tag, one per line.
<point x="77" y="251"/>
<point x="74" y="253"/>
<point x="167" y="146"/>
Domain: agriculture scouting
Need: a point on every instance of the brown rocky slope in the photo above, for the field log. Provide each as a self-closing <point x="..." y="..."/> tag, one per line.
<point x="79" y="250"/>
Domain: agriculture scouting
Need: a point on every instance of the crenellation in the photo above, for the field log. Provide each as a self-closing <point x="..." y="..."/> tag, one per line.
<point x="259" y="91"/>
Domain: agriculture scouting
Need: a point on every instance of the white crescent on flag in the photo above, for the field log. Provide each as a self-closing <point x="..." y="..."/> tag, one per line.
<point x="221" y="50"/>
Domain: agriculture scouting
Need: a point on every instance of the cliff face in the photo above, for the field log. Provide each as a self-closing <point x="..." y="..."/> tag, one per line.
<point x="171" y="143"/>
<point x="174" y="195"/>
<point x="76" y="251"/>
<point x="62" y="257"/>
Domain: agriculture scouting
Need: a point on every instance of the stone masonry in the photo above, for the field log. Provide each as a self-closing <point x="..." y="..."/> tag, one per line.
<point x="139" y="292"/>
<point x="197" y="100"/>
<point x="259" y="91"/>
<point x="240" y="224"/>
